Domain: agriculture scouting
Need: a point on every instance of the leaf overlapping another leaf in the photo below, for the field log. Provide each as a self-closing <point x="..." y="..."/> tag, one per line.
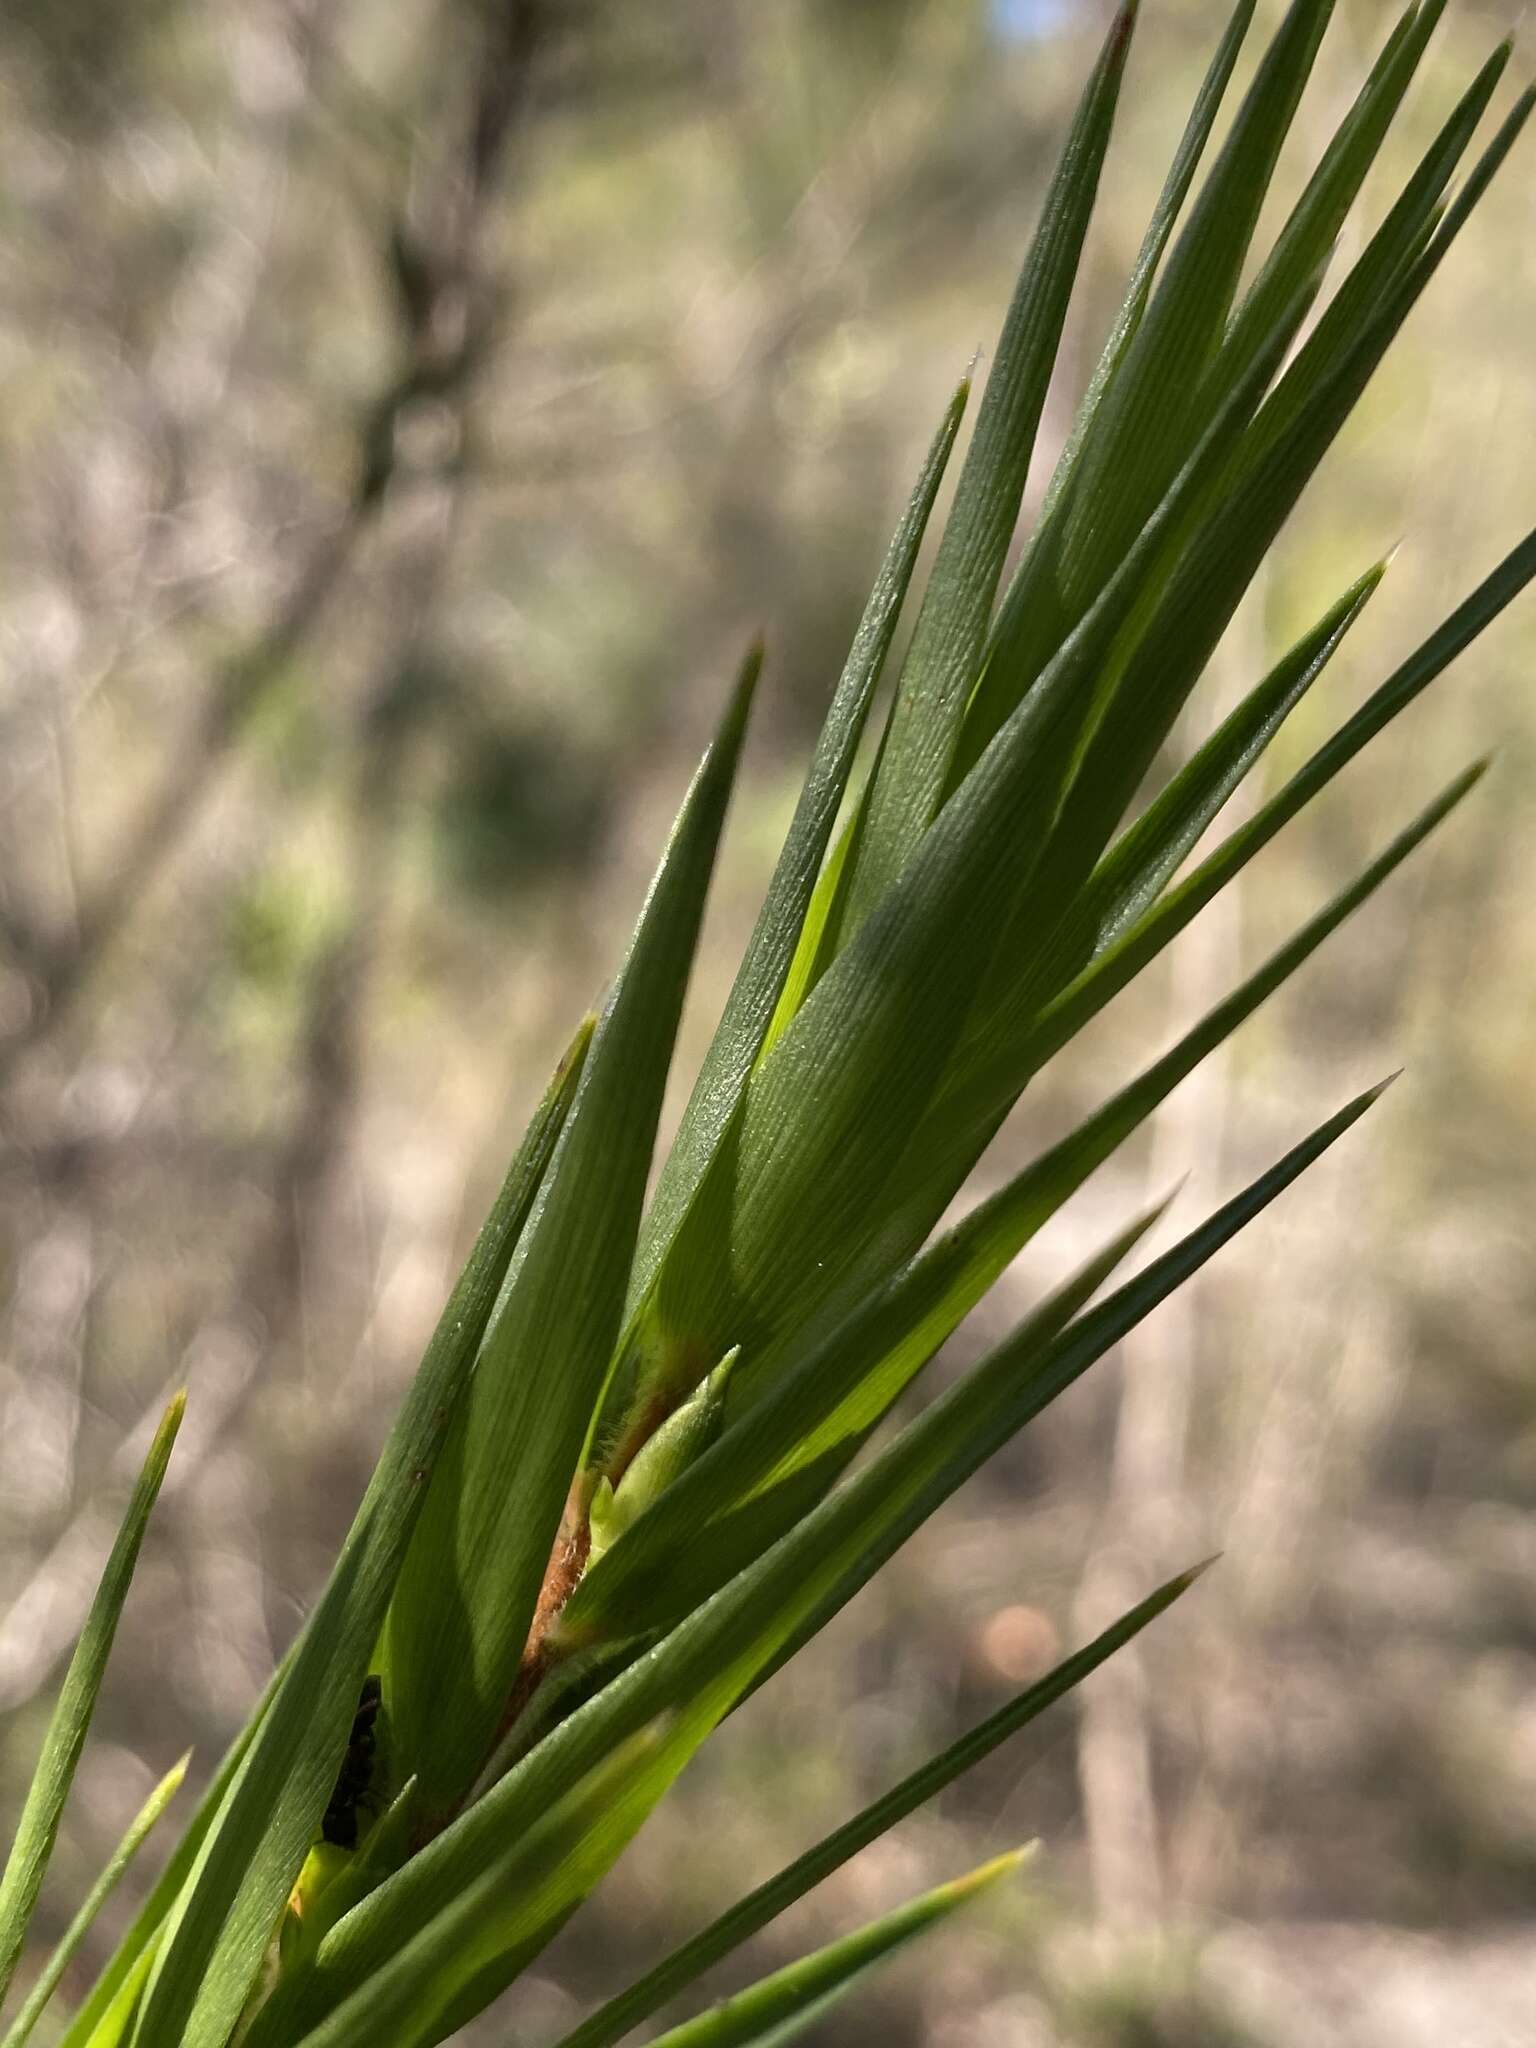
<point x="472" y="1581"/>
<point x="612" y="2021"/>
<point x="957" y="605"/>
<point x="571" y="1566"/>
<point x="26" y="1865"/>
<point x="209" y="1948"/>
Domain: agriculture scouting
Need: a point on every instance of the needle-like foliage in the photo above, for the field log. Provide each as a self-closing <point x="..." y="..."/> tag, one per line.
<point x="647" y="1455"/>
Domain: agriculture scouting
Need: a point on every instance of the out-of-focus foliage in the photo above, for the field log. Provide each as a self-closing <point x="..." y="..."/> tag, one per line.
<point x="387" y="479"/>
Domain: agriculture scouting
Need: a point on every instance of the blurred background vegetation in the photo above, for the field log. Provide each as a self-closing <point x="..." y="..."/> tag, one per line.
<point x="407" y="409"/>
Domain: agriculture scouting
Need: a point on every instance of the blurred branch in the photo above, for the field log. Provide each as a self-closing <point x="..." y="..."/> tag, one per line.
<point x="1149" y="1509"/>
<point x="445" y="349"/>
<point x="443" y="303"/>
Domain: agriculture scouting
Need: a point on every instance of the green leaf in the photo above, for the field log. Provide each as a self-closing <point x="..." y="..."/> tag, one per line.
<point x="1379" y="290"/>
<point x="1181" y="175"/>
<point x="131" y="1959"/>
<point x="781" y="959"/>
<point x="952" y="625"/>
<point x="766" y="965"/>
<point x="778" y="1459"/>
<point x="956" y="1435"/>
<point x="1144" y="423"/>
<point x="1309" y="233"/>
<point x="661" y="1461"/>
<point x="502" y="1238"/>
<point x="612" y="2021"/>
<point x="1484" y="171"/>
<point x="984" y="1095"/>
<point x="1134" y="948"/>
<point x="1025" y="627"/>
<point x="782" y="2006"/>
<point x="1141" y="863"/>
<point x="214" y="1937"/>
<point x="52" y="1972"/>
<point x="71" y="1719"/>
<point x="114" y="2025"/>
<point x="469" y="1590"/>
<point x="768" y="1611"/>
<point x="487" y="1930"/>
<point x="1148" y="853"/>
<point x="1164" y="650"/>
<point x="792" y="1199"/>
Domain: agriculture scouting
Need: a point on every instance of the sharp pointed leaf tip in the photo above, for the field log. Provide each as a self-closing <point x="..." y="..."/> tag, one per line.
<point x="1154" y="1212"/>
<point x="992" y="1872"/>
<point x="576" y="1051"/>
<point x="720" y="1378"/>
<point x="745" y="686"/>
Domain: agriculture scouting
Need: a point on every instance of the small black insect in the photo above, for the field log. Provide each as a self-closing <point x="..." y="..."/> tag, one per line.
<point x="355" y="1777"/>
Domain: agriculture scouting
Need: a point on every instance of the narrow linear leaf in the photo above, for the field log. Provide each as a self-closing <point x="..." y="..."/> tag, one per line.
<point x="977" y="1103"/>
<point x="1133" y="949"/>
<point x="781" y="1456"/>
<point x="1147" y="414"/>
<point x="1167" y="650"/>
<point x="776" y="967"/>
<point x="1308" y="234"/>
<point x="611" y="2022"/>
<point x="1181" y="175"/>
<point x="952" y="625"/>
<point x="826" y="1113"/>
<point x="1484" y="171"/>
<point x="1030" y="616"/>
<point x="468" y="1593"/>
<point x="460" y="1959"/>
<point x="52" y="1972"/>
<point x="1378" y="290"/>
<point x="782" y="2006"/>
<point x="770" y="1610"/>
<point x="134" y="1953"/>
<point x="71" y="1719"/>
<point x="530" y="1163"/>
<point x="1139" y="865"/>
<point x="115" y="2024"/>
<point x="206" y="1958"/>
<point x="503" y="1228"/>
<point x="760" y="980"/>
<point x="818" y="942"/>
